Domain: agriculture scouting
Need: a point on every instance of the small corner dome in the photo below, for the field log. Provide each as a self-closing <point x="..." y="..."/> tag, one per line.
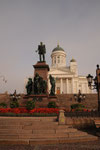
<point x="58" y="48"/>
<point x="72" y="60"/>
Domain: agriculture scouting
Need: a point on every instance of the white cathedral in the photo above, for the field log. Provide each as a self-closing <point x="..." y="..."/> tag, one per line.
<point x="66" y="77"/>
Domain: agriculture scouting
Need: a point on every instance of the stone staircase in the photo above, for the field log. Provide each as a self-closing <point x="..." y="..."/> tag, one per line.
<point x="38" y="130"/>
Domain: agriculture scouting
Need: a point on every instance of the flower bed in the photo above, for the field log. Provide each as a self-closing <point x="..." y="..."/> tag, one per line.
<point x="25" y="112"/>
<point x="81" y="110"/>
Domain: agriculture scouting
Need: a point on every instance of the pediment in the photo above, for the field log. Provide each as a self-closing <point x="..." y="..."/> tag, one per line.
<point x="58" y="72"/>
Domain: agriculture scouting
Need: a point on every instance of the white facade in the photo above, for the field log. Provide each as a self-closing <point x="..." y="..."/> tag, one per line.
<point x="67" y="78"/>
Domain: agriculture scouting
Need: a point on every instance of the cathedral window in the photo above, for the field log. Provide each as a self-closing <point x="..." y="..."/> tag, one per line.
<point x="58" y="59"/>
<point x="62" y="59"/>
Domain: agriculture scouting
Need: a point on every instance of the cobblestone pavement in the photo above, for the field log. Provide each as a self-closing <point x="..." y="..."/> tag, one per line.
<point x="94" y="145"/>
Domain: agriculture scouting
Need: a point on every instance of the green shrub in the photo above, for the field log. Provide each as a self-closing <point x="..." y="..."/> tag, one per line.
<point x="14" y="104"/>
<point x="4" y="105"/>
<point x="79" y="109"/>
<point x="35" y="99"/>
<point x="77" y="106"/>
<point x="30" y="105"/>
<point x="52" y="104"/>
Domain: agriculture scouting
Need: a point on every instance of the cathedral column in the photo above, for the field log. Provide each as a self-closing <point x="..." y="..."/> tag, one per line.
<point x="61" y="86"/>
<point x="72" y="86"/>
<point x="77" y="86"/>
<point x="67" y="85"/>
<point x="52" y="61"/>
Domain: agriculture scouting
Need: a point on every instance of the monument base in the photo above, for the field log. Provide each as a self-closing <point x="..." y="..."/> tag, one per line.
<point x="41" y="101"/>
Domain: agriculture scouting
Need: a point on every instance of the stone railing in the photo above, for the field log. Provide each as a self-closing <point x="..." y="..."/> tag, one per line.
<point x="82" y="114"/>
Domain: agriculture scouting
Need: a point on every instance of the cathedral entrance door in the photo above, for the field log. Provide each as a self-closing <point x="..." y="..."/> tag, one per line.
<point x="58" y="90"/>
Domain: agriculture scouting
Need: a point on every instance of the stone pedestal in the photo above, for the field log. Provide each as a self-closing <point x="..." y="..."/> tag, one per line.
<point x="41" y="100"/>
<point x="61" y="117"/>
<point x="42" y="69"/>
<point x="52" y="98"/>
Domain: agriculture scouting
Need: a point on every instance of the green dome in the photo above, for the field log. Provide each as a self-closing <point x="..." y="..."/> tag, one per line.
<point x="58" y="48"/>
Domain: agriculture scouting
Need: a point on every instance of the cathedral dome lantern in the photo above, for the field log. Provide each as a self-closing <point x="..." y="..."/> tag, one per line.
<point x="72" y="60"/>
<point x="58" y="57"/>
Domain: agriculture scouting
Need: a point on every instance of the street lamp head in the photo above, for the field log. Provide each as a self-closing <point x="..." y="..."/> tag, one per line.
<point x="84" y="96"/>
<point x="95" y="80"/>
<point x="75" y="96"/>
<point x="97" y="66"/>
<point x="90" y="79"/>
<point x="79" y="97"/>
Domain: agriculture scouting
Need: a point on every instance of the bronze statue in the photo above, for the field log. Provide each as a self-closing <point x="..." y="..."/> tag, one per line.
<point x="41" y="51"/>
<point x="40" y="85"/>
<point x="52" y="82"/>
<point x="29" y="86"/>
<point x="36" y="83"/>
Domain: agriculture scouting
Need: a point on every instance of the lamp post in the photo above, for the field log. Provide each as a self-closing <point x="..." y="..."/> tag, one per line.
<point x="79" y="97"/>
<point x="15" y="96"/>
<point x="96" y="84"/>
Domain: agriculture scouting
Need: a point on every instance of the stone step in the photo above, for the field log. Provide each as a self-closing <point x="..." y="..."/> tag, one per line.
<point x="21" y="119"/>
<point x="16" y="122"/>
<point x="26" y="123"/>
<point x="29" y="124"/>
<point x="77" y="134"/>
<point x="62" y="140"/>
<point x="38" y="131"/>
<point x="10" y="127"/>
<point x="46" y="127"/>
<point x="14" y="131"/>
<point x="47" y="141"/>
<point x="12" y="141"/>
<point x="23" y="131"/>
<point x="42" y="134"/>
<point x="33" y="136"/>
<point x="28" y="127"/>
<point x="66" y="130"/>
<point x="19" y="132"/>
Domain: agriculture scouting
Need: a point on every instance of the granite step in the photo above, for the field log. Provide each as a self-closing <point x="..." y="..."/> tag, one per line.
<point x="21" y="119"/>
<point x="47" y="141"/>
<point x="63" y="140"/>
<point x="41" y="131"/>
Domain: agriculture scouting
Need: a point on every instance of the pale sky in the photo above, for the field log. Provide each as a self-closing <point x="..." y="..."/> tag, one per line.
<point x="25" y="23"/>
